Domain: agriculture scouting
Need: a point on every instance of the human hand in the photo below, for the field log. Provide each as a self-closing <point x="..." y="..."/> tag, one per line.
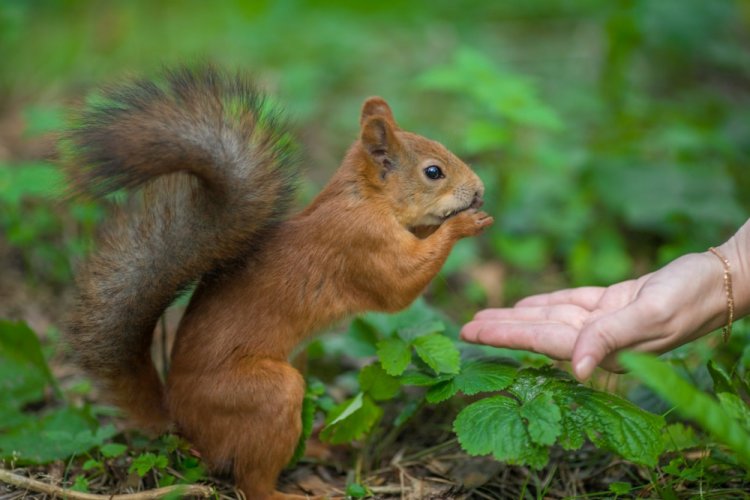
<point x="590" y="325"/>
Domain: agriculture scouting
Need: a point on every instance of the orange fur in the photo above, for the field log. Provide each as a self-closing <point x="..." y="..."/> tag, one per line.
<point x="231" y="389"/>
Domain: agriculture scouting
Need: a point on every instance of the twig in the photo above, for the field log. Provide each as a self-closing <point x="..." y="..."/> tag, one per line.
<point x="27" y="483"/>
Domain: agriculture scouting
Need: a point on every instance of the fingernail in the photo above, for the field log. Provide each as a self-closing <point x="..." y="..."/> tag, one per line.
<point x="584" y="368"/>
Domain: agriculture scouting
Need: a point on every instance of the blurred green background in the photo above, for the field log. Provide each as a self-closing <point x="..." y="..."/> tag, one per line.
<point x="612" y="135"/>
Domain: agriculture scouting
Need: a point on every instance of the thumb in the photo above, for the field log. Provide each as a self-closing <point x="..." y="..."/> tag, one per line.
<point x="606" y="335"/>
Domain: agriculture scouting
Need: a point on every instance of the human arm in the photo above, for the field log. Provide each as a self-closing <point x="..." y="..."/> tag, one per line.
<point x="655" y="313"/>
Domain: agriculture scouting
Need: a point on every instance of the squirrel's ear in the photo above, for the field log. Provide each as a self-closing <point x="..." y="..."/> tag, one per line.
<point x="376" y="106"/>
<point x="380" y="142"/>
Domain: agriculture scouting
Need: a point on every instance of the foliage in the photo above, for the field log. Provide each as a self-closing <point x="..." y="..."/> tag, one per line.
<point x="611" y="137"/>
<point x="537" y="408"/>
<point x="727" y="419"/>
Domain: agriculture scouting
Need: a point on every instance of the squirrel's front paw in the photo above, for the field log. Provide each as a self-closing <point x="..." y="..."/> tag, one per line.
<point x="470" y="222"/>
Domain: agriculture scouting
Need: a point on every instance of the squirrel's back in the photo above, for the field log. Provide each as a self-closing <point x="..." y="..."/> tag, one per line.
<point x="214" y="169"/>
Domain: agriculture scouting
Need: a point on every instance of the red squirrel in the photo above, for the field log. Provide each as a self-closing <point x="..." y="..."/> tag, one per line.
<point x="209" y="170"/>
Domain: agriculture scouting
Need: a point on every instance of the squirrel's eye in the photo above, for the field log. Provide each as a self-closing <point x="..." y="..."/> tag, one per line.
<point x="433" y="172"/>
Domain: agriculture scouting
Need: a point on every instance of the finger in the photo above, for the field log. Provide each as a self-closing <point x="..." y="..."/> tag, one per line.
<point x="607" y="335"/>
<point x="586" y="297"/>
<point x="572" y="315"/>
<point x="553" y="339"/>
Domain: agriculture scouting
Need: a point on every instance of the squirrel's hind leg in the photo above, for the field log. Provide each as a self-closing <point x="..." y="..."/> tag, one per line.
<point x="248" y="415"/>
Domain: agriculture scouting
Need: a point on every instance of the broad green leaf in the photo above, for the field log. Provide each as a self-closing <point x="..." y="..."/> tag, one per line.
<point x="543" y="417"/>
<point x="484" y="376"/>
<point x="607" y="420"/>
<point x="351" y="420"/>
<point x="439" y="352"/>
<point x="689" y="401"/>
<point x="394" y="355"/>
<point x="494" y="426"/>
<point x="374" y="381"/>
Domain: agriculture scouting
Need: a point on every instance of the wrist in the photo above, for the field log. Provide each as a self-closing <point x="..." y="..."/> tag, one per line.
<point x="737" y="251"/>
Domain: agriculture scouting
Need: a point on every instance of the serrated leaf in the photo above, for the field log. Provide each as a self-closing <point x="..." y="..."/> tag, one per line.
<point x="439" y="352"/>
<point x="351" y="420"/>
<point x="689" y="401"/>
<point x="494" y="426"/>
<point x="441" y="392"/>
<point x="609" y="421"/>
<point x="543" y="417"/>
<point x="484" y="376"/>
<point x="145" y="462"/>
<point x="374" y="380"/>
<point x="394" y="355"/>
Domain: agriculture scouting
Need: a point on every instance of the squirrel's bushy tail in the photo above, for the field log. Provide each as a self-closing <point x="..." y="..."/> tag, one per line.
<point x="148" y="134"/>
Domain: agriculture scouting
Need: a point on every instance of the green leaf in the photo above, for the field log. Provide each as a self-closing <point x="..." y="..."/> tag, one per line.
<point x="40" y="180"/>
<point x="113" y="450"/>
<point x="421" y="379"/>
<point x="543" y="417"/>
<point x="620" y="487"/>
<point x="80" y="484"/>
<point x="689" y="401"/>
<point x="146" y="462"/>
<point x="484" y="376"/>
<point x="374" y="381"/>
<point x="57" y="435"/>
<point x="678" y="437"/>
<point x="609" y="421"/>
<point x="494" y="425"/>
<point x="722" y="381"/>
<point x="736" y="408"/>
<point x="23" y="370"/>
<point x="439" y="352"/>
<point x="441" y="392"/>
<point x="410" y="333"/>
<point x="394" y="355"/>
<point x="93" y="464"/>
<point x="356" y="490"/>
<point x="351" y="420"/>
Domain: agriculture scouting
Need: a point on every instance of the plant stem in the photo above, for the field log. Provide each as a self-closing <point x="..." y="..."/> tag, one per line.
<point x="26" y="483"/>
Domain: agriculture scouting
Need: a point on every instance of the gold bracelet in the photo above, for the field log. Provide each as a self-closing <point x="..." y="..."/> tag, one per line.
<point x="726" y="330"/>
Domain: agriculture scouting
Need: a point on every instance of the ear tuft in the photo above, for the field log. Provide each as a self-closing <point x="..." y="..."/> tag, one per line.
<point x="376" y="106"/>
